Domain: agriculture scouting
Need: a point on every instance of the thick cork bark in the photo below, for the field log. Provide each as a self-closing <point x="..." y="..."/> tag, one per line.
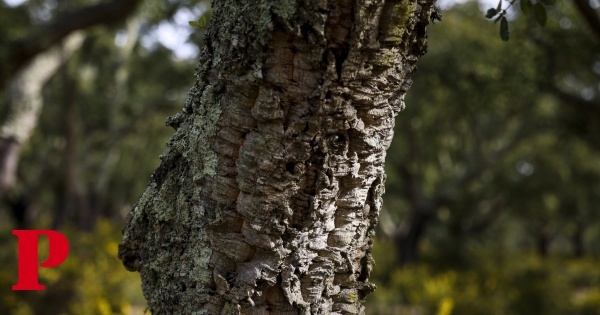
<point x="268" y="193"/>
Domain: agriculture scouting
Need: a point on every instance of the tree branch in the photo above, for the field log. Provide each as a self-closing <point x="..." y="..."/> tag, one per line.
<point x="589" y="107"/>
<point x="589" y="14"/>
<point x="41" y="38"/>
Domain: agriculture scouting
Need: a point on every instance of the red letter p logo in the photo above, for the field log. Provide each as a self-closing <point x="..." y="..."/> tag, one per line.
<point x="58" y="249"/>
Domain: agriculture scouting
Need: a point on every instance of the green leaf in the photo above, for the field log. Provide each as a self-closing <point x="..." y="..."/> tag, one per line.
<point x="548" y="2"/>
<point x="526" y="6"/>
<point x="194" y="24"/>
<point x="504" y="29"/>
<point x="201" y="23"/>
<point x="499" y="6"/>
<point x="540" y="14"/>
<point x="491" y="13"/>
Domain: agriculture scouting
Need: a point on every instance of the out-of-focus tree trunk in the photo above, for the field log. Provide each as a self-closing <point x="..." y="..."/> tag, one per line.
<point x="116" y="124"/>
<point x="408" y="240"/>
<point x="578" y="240"/>
<point x="19" y="52"/>
<point x="24" y="103"/>
<point x="9" y="158"/>
<point x="542" y="242"/>
<point x="73" y="203"/>
<point x="268" y="193"/>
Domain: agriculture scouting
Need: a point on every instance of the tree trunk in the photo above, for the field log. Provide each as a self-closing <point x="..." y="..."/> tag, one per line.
<point x="24" y="104"/>
<point x="543" y="240"/>
<point x="408" y="240"/>
<point x="578" y="240"/>
<point x="268" y="193"/>
<point x="9" y="159"/>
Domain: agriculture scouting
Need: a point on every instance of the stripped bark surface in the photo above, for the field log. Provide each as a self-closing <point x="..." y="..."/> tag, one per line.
<point x="269" y="191"/>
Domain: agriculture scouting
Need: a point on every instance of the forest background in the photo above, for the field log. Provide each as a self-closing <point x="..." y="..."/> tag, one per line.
<point x="493" y="188"/>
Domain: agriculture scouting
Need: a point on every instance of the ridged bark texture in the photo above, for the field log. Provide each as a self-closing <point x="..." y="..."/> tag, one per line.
<point x="268" y="193"/>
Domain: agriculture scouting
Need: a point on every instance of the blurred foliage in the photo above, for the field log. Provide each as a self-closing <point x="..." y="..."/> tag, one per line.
<point x="91" y="280"/>
<point x="102" y="126"/>
<point x="494" y="173"/>
<point x="493" y="283"/>
<point x="98" y="139"/>
<point x="488" y="149"/>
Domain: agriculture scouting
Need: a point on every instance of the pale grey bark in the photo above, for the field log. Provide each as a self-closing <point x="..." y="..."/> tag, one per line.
<point x="268" y="193"/>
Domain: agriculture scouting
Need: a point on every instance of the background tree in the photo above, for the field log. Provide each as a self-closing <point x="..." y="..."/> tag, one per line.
<point x="24" y="47"/>
<point x="82" y="151"/>
<point x="101" y="129"/>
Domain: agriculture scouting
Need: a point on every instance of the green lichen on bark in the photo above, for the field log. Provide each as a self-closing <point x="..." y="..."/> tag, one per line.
<point x="269" y="191"/>
<point x="398" y="24"/>
<point x="201" y="155"/>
